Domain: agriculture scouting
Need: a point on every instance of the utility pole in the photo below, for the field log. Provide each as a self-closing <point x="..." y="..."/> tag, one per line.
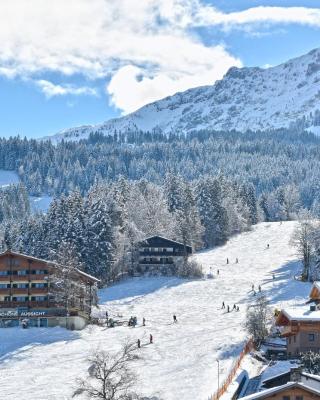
<point x="218" y="373"/>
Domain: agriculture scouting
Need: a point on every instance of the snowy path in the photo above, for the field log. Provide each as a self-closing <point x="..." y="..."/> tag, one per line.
<point x="182" y="361"/>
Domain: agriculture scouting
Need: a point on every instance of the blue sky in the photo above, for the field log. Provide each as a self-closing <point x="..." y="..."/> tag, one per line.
<point x="85" y="61"/>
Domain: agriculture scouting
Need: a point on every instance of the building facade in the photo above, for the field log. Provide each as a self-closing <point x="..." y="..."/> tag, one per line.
<point x="301" y="326"/>
<point x="159" y="254"/>
<point x="289" y="391"/>
<point x="30" y="292"/>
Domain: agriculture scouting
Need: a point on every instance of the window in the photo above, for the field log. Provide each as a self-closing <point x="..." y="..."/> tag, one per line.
<point x="20" y="285"/>
<point x="38" y="298"/>
<point x="39" y="285"/>
<point x="285" y="397"/>
<point x="294" y="338"/>
<point x="39" y="272"/>
<point x="23" y="272"/>
<point x="4" y="285"/>
<point x="20" y="298"/>
<point x="7" y="298"/>
<point x="170" y="249"/>
<point x="311" y="337"/>
<point x="299" y="397"/>
<point x="4" y="273"/>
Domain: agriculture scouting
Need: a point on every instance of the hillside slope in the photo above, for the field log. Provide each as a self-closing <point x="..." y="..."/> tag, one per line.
<point x="43" y="364"/>
<point x="245" y="99"/>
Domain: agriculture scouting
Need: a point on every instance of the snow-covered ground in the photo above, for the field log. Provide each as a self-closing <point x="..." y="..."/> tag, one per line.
<point x="40" y="204"/>
<point x="8" y="178"/>
<point x="37" y="204"/>
<point x="43" y="364"/>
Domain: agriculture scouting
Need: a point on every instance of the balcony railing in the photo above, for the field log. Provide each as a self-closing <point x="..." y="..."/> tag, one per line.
<point x="19" y="291"/>
<point x="162" y="253"/>
<point x="156" y="262"/>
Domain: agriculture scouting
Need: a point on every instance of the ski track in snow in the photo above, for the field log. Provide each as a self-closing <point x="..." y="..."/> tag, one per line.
<point x="43" y="364"/>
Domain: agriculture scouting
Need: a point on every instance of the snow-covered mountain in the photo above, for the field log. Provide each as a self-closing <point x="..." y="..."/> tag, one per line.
<point x="246" y="98"/>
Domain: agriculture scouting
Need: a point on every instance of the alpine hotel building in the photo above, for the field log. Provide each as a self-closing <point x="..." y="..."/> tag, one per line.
<point x="27" y="293"/>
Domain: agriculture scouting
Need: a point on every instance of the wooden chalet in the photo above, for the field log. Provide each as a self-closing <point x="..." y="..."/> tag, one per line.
<point x="295" y="374"/>
<point x="27" y="292"/>
<point x="157" y="253"/>
<point x="301" y="325"/>
<point x="288" y="391"/>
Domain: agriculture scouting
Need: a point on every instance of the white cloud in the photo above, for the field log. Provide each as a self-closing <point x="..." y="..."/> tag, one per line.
<point x="257" y="15"/>
<point x="51" y="90"/>
<point x="131" y="87"/>
<point x="145" y="48"/>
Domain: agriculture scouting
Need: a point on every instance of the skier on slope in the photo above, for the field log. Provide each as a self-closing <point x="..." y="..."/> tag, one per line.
<point x="151" y="338"/>
<point x="223" y="305"/>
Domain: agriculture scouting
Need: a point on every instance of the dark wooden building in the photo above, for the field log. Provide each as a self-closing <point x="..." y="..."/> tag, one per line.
<point x="27" y="291"/>
<point x="157" y="253"/>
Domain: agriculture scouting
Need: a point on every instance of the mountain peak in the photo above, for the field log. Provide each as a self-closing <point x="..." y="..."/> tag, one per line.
<point x="249" y="98"/>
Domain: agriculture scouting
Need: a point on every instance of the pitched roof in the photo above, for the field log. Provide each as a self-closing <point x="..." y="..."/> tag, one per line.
<point x="167" y="239"/>
<point x="272" y="391"/>
<point x="303" y="373"/>
<point x="301" y="314"/>
<point x="14" y="253"/>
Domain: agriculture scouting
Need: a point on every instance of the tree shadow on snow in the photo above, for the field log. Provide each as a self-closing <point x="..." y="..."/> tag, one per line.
<point x="285" y="286"/>
<point x="16" y="342"/>
<point x="138" y="287"/>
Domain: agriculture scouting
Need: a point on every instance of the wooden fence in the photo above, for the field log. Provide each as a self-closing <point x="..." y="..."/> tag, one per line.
<point x="233" y="371"/>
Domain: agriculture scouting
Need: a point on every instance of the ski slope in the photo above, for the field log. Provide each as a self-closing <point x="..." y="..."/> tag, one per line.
<point x="43" y="364"/>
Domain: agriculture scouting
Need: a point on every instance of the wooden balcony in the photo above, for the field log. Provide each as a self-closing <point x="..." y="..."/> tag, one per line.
<point x="19" y="291"/>
<point x="19" y="278"/>
<point x="5" y="292"/>
<point x="38" y="277"/>
<point x="156" y="262"/>
<point x="4" y="278"/>
<point x="37" y="291"/>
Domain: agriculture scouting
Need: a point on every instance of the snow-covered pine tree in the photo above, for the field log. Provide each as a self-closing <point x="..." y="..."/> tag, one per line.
<point x="212" y="213"/>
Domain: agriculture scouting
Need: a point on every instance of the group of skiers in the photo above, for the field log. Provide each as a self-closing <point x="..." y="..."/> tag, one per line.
<point x="253" y="289"/>
<point x="234" y="308"/>
<point x="237" y="260"/>
<point x="150" y="341"/>
<point x="133" y="321"/>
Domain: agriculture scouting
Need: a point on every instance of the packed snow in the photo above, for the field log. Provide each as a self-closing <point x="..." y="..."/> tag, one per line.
<point x="43" y="364"/>
<point x="37" y="203"/>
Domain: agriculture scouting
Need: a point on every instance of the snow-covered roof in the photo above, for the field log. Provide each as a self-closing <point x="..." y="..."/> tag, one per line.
<point x="301" y="314"/>
<point x="289" y="385"/>
<point x="283" y="373"/>
<point x="316" y="285"/>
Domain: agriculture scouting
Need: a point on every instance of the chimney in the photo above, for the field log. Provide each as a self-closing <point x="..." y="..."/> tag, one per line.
<point x="295" y="374"/>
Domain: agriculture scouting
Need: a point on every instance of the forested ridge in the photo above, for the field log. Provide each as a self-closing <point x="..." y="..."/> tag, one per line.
<point x="266" y="159"/>
<point x="111" y="191"/>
